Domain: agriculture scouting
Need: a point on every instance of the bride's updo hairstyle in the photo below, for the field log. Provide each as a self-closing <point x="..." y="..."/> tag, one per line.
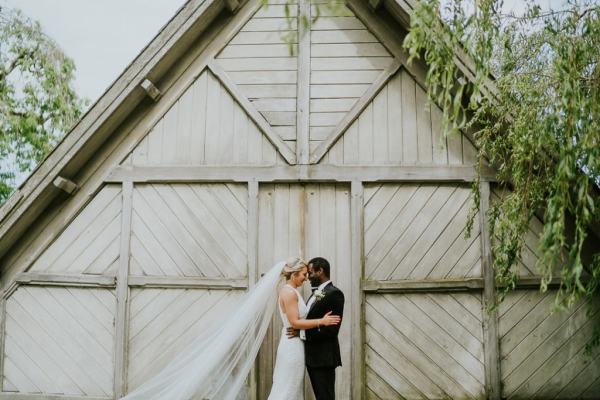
<point x="293" y="265"/>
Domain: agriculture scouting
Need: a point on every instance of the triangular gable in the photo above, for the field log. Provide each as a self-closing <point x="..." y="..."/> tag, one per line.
<point x="206" y="126"/>
<point x="399" y="126"/>
<point x="262" y="61"/>
<point x="99" y="123"/>
<point x="346" y="59"/>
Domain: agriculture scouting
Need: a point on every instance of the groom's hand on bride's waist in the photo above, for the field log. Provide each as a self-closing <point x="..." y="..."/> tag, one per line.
<point x="292" y="333"/>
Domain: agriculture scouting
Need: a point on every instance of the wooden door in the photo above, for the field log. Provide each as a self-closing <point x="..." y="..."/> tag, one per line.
<point x="308" y="220"/>
<point x="426" y="344"/>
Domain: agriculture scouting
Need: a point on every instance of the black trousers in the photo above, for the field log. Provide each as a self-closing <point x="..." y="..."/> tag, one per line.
<point x="323" y="382"/>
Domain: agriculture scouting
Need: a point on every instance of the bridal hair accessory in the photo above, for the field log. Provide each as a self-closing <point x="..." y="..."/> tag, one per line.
<point x="292" y="265"/>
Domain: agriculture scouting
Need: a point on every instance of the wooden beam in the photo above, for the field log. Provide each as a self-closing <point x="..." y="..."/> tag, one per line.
<point x="357" y="296"/>
<point x="39" y="278"/>
<point x="106" y="115"/>
<point x="66" y="185"/>
<point x="296" y="173"/>
<point x="429" y="285"/>
<point x="232" y="5"/>
<point x="402" y="9"/>
<point x="187" y="282"/>
<point x="252" y="112"/>
<point x="491" y="346"/>
<point x="375" y="4"/>
<point x="384" y="29"/>
<point x="303" y="98"/>
<point x="8" y="206"/>
<point x="355" y="112"/>
<point x="121" y="331"/>
<point x="151" y="89"/>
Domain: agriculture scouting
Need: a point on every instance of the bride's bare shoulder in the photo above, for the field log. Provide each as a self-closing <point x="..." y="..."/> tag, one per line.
<point x="286" y="292"/>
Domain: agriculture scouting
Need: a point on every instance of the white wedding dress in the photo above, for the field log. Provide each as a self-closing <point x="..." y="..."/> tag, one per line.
<point x="288" y="375"/>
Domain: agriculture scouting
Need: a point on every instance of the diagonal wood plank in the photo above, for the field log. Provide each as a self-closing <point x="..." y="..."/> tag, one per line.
<point x="63" y="338"/>
<point x="161" y="334"/>
<point x="432" y="359"/>
<point x="543" y="348"/>
<point x="394" y="234"/>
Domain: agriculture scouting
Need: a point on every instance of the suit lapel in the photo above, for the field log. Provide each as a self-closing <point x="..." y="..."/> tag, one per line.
<point x="317" y="300"/>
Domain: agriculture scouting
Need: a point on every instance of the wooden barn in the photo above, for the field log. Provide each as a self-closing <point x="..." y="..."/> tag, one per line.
<point x="219" y="152"/>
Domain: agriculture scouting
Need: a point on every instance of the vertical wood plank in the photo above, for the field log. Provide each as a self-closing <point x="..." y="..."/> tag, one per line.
<point x="303" y="98"/>
<point x="120" y="380"/>
<point x="357" y="295"/>
<point x="198" y="137"/>
<point x="409" y="120"/>
<point x="253" y="266"/>
<point x="380" y="128"/>
<point x="365" y="136"/>
<point x="490" y="319"/>
<point x="424" y="127"/>
<point x="395" y="115"/>
<point x="440" y="148"/>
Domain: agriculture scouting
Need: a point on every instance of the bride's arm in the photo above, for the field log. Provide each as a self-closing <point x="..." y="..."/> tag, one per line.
<point x="290" y="306"/>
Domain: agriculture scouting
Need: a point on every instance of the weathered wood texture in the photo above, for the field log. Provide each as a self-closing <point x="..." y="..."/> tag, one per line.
<point x="164" y="321"/>
<point x="542" y="350"/>
<point x="346" y="59"/>
<point x="59" y="341"/>
<point x="90" y="243"/>
<point x="530" y="254"/>
<point x="308" y="220"/>
<point x="262" y="60"/>
<point x="280" y="218"/>
<point x="206" y="126"/>
<point x="189" y="230"/>
<point x="417" y="232"/>
<point x="399" y="127"/>
<point x="424" y="346"/>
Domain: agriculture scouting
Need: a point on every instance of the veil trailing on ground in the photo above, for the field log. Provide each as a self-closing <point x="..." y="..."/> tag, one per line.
<point x="215" y="366"/>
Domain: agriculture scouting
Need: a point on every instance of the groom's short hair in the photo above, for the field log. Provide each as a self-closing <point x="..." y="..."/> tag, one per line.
<point x="321" y="264"/>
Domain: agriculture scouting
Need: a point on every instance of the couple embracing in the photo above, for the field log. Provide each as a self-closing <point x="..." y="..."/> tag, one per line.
<point x="310" y="332"/>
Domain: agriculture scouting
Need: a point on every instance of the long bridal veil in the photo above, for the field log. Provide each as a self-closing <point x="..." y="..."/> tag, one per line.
<point x="216" y="366"/>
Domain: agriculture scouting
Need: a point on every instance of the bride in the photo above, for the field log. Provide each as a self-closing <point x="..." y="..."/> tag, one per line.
<point x="216" y="364"/>
<point x="289" y="364"/>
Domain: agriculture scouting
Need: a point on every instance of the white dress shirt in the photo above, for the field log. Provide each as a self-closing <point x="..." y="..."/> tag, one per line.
<point x="311" y="301"/>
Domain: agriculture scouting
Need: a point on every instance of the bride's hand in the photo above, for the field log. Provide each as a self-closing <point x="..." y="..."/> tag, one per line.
<point x="329" y="320"/>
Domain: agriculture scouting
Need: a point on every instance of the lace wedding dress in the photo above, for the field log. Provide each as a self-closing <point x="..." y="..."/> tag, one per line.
<point x="288" y="376"/>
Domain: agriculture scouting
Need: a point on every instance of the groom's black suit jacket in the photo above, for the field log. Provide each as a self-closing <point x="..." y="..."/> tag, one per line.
<point x="322" y="349"/>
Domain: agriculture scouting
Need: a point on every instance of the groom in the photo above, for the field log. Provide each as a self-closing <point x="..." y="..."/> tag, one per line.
<point x="321" y="348"/>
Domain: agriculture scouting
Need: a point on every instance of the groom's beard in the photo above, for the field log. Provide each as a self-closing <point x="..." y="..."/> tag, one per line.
<point x="314" y="283"/>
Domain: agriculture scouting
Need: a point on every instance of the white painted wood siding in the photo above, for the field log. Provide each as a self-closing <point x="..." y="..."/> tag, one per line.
<point x="346" y="58"/>
<point x="206" y="126"/>
<point x="310" y="220"/>
<point x="164" y="321"/>
<point x="90" y="243"/>
<point x="262" y="61"/>
<point x="424" y="346"/>
<point x="59" y="341"/>
<point x="399" y="127"/>
<point x="542" y="350"/>
<point x="417" y="232"/>
<point x="189" y="230"/>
